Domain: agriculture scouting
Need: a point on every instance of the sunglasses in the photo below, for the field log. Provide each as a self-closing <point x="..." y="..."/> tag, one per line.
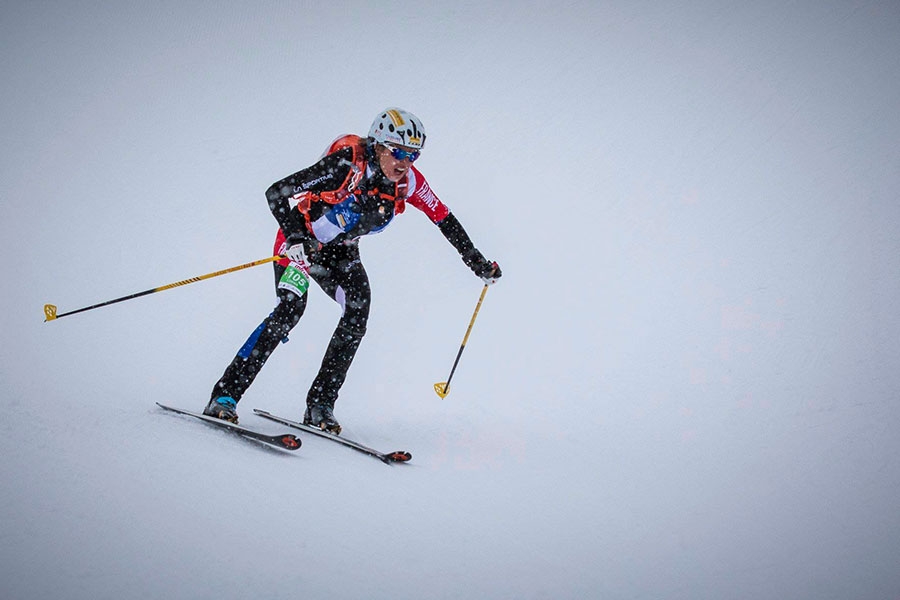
<point x="399" y="154"/>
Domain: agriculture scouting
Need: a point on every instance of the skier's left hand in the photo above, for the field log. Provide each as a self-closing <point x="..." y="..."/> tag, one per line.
<point x="489" y="272"/>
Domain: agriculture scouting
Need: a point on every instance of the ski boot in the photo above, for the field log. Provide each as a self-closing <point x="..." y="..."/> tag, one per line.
<point x="223" y="407"/>
<point x="321" y="415"/>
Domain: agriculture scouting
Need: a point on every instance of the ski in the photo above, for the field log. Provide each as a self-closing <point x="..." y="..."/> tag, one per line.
<point x="285" y="441"/>
<point x="390" y="457"/>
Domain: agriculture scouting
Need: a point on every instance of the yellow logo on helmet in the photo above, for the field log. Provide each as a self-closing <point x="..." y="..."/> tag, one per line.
<point x="395" y="118"/>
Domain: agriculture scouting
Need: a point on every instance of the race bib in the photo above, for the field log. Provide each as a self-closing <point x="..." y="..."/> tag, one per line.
<point x="294" y="280"/>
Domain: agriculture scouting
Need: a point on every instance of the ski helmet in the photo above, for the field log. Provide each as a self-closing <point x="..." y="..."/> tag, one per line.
<point x="397" y="126"/>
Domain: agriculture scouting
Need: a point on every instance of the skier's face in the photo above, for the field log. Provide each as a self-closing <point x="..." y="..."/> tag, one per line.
<point x="393" y="168"/>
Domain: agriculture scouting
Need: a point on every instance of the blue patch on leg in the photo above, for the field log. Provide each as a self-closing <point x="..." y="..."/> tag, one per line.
<point x="247" y="349"/>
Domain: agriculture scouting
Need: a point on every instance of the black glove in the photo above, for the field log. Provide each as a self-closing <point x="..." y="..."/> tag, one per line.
<point x="488" y="271"/>
<point x="452" y="229"/>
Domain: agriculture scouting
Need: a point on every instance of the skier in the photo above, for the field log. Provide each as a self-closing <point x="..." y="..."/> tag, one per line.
<point x="355" y="189"/>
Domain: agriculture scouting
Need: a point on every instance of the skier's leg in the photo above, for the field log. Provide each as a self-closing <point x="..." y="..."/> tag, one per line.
<point x="344" y="279"/>
<point x="259" y="346"/>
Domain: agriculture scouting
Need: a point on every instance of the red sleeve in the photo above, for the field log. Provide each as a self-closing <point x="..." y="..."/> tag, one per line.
<point x="421" y="196"/>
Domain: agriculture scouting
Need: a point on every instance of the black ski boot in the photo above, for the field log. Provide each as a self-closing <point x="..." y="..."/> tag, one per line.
<point x="223" y="407"/>
<point x="321" y="415"/>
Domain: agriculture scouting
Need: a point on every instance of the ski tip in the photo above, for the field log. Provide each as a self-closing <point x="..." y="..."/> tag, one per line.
<point x="290" y="442"/>
<point x="399" y="456"/>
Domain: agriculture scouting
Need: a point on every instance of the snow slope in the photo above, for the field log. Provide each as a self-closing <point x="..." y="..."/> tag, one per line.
<point x="685" y="386"/>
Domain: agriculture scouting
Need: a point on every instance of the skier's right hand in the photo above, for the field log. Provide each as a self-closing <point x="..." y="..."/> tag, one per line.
<point x="300" y="248"/>
<point x="297" y="254"/>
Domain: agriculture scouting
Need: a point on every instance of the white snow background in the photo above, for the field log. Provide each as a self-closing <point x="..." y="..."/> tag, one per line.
<point x="685" y="386"/>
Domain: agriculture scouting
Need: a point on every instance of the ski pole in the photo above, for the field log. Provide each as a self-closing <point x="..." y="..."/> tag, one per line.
<point x="50" y="309"/>
<point x="443" y="388"/>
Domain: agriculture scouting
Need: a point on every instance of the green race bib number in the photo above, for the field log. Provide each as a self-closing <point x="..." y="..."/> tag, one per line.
<point x="294" y="280"/>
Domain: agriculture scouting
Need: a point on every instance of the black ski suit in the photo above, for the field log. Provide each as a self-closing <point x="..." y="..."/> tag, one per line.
<point x="330" y="233"/>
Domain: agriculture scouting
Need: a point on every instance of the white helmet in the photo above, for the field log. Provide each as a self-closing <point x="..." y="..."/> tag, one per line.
<point x="397" y="126"/>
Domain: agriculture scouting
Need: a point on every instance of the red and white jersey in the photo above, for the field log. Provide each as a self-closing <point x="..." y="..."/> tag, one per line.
<point x="420" y="195"/>
<point x="367" y="209"/>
